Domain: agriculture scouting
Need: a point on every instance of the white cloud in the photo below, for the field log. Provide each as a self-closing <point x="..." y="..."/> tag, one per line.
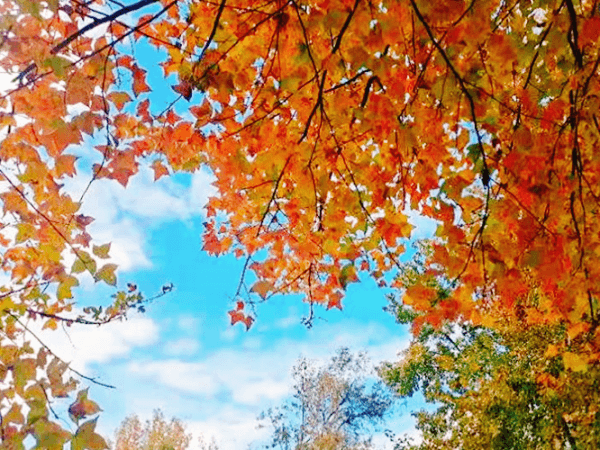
<point x="232" y="429"/>
<point x="251" y="375"/>
<point x="85" y="344"/>
<point x="238" y="384"/>
<point x="181" y="347"/>
<point x="127" y="243"/>
<point x="192" y="378"/>
<point x="221" y="394"/>
<point x="123" y="215"/>
<point x="189" y="324"/>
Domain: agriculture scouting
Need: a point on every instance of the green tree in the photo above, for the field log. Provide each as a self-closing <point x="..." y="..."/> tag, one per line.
<point x="333" y="407"/>
<point x="505" y="388"/>
<point x="155" y="434"/>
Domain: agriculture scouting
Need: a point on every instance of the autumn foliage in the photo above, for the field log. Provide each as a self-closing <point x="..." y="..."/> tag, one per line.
<point x="325" y="123"/>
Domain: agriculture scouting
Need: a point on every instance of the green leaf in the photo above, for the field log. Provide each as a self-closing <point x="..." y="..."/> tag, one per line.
<point x="30" y="7"/>
<point x="474" y="152"/>
<point x="49" y="435"/>
<point x="24" y="370"/>
<point x="102" y="250"/>
<point x="58" y="65"/>
<point x="107" y="274"/>
<point x="348" y="275"/>
<point x="87" y="438"/>
<point x="84" y="262"/>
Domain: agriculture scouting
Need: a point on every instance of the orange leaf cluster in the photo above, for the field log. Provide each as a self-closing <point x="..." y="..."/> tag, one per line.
<point x="325" y="124"/>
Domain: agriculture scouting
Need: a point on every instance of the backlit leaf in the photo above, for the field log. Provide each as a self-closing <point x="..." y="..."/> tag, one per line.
<point x="107" y="274"/>
<point x="102" y="251"/>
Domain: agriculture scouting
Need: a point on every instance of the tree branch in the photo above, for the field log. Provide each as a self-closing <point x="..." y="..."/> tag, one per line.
<point x="90" y="26"/>
<point x="573" y="34"/>
<point x="485" y="174"/>
<point x="211" y="36"/>
<point x="272" y="199"/>
<point x="338" y="40"/>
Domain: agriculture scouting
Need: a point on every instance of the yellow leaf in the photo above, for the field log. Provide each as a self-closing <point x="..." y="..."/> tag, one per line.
<point x="65" y="286"/>
<point x="102" y="251"/>
<point x="575" y="362"/>
<point x="551" y="351"/>
<point x="50" y="323"/>
<point x="577" y="329"/>
<point x="107" y="274"/>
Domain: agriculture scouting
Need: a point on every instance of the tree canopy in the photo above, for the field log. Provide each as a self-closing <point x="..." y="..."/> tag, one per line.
<point x="501" y="388"/>
<point x="332" y="406"/>
<point x="157" y="434"/>
<point x="325" y="124"/>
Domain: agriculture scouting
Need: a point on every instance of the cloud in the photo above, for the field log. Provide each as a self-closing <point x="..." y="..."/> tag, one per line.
<point x="231" y="428"/>
<point x="181" y="347"/>
<point x="234" y="384"/>
<point x="127" y="243"/>
<point x="188" y="324"/>
<point x="252" y="375"/>
<point x="192" y="378"/>
<point x="124" y="215"/>
<point x="86" y="344"/>
<point x="245" y="382"/>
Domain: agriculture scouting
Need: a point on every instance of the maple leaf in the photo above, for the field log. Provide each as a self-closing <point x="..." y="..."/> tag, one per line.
<point x="335" y="300"/>
<point x="139" y="80"/>
<point x="107" y="274"/>
<point x="574" y="362"/>
<point x="184" y="88"/>
<point x="87" y="438"/>
<point x="159" y="169"/>
<point x="119" y="99"/>
<point x="322" y="145"/>
<point x="65" y="165"/>
<point x="82" y="406"/>
<point x="262" y="288"/>
<point x="101" y="251"/>
<point x="237" y="315"/>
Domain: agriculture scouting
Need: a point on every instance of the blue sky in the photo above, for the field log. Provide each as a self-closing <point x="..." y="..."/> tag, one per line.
<point x="182" y="356"/>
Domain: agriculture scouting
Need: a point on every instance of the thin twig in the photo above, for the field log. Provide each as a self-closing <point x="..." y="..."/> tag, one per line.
<point x="85" y="29"/>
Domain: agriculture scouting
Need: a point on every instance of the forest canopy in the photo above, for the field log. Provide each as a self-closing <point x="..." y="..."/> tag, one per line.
<point x="325" y="124"/>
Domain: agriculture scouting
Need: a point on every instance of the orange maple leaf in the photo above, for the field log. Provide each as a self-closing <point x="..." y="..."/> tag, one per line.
<point x="159" y="169"/>
<point x="139" y="80"/>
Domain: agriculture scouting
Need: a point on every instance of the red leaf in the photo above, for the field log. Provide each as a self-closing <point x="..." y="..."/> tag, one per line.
<point x="184" y="88"/>
<point x="139" y="80"/>
<point x="236" y="316"/>
<point x="335" y="301"/>
<point x="248" y="322"/>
